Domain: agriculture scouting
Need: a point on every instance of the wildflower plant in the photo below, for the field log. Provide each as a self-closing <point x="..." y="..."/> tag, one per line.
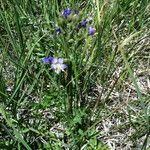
<point x="72" y="43"/>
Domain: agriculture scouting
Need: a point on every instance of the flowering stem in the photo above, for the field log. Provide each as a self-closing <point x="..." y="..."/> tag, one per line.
<point x="69" y="89"/>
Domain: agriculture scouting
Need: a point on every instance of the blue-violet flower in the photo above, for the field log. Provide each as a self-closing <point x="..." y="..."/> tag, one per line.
<point x="58" y="30"/>
<point x="46" y="60"/>
<point x="82" y="24"/>
<point x="91" y="30"/>
<point x="66" y="12"/>
<point x="57" y="65"/>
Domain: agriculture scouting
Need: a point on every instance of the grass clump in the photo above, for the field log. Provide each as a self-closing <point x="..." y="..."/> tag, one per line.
<point x="74" y="75"/>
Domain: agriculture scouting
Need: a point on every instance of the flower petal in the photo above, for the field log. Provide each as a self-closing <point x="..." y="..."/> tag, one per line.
<point x="46" y="60"/>
<point x="54" y="60"/>
<point x="63" y="66"/>
<point x="60" y="60"/>
<point x="53" y="66"/>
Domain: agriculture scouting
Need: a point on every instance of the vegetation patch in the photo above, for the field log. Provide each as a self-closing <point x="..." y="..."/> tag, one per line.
<point x="75" y="74"/>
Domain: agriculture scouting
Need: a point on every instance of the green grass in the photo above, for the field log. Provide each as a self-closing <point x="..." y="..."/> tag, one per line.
<point x="103" y="92"/>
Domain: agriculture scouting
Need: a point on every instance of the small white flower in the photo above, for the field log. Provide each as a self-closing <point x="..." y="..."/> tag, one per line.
<point x="57" y="65"/>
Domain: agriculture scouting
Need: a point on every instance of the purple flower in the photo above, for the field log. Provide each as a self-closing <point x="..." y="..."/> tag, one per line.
<point x="57" y="65"/>
<point x="58" y="30"/>
<point x="46" y="60"/>
<point x="91" y="30"/>
<point x="66" y="12"/>
<point x="82" y="24"/>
